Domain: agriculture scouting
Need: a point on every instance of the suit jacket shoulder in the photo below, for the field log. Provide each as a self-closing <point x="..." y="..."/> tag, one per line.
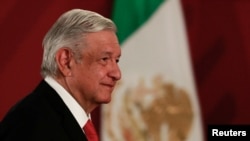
<point x="40" y="116"/>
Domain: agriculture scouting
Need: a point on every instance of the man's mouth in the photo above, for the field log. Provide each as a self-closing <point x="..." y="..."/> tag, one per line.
<point x="109" y="84"/>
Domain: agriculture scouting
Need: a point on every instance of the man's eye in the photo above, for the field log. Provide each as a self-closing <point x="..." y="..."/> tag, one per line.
<point x="117" y="60"/>
<point x="105" y="59"/>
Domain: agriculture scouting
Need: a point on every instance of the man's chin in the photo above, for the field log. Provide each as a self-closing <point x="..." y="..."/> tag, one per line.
<point x="104" y="101"/>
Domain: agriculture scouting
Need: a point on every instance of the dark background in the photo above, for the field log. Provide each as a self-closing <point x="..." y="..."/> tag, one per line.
<point x="219" y="32"/>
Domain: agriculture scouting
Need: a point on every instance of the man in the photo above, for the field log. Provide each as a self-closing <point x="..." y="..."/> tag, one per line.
<point x="80" y="70"/>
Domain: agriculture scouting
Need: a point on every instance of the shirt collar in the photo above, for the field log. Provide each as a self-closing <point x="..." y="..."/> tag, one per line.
<point x="74" y="107"/>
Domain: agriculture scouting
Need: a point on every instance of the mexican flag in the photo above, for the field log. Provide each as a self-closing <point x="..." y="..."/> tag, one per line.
<point x="156" y="99"/>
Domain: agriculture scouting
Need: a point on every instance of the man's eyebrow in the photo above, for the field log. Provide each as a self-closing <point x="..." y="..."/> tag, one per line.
<point x="109" y="53"/>
<point x="106" y="53"/>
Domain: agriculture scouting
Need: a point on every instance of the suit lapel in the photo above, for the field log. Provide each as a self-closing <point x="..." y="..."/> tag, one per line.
<point x="64" y="116"/>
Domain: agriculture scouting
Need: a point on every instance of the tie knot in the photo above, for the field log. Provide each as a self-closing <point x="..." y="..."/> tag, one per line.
<point x="90" y="131"/>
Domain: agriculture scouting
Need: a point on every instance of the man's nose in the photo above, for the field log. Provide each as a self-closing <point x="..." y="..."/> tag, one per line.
<point x="115" y="72"/>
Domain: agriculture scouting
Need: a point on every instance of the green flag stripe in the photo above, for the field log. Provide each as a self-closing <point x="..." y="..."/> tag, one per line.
<point x="129" y="15"/>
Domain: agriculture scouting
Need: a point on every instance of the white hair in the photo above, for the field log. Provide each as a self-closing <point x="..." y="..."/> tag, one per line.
<point x="67" y="31"/>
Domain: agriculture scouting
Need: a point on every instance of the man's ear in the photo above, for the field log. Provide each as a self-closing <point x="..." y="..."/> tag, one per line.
<point x="64" y="58"/>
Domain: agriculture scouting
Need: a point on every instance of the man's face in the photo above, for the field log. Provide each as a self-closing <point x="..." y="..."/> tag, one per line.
<point x="94" y="78"/>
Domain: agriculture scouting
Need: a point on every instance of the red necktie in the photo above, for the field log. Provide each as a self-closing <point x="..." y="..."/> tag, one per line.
<point x="90" y="132"/>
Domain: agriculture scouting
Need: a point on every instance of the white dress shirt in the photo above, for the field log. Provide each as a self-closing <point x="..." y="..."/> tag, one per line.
<point x="77" y="111"/>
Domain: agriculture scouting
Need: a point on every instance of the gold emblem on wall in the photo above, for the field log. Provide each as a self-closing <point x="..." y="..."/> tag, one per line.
<point x="162" y="112"/>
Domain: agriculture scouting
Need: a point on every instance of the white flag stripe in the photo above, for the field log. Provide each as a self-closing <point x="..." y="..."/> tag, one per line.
<point x="159" y="47"/>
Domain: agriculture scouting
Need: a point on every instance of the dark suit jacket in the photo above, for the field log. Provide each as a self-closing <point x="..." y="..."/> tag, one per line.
<point x="41" y="116"/>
